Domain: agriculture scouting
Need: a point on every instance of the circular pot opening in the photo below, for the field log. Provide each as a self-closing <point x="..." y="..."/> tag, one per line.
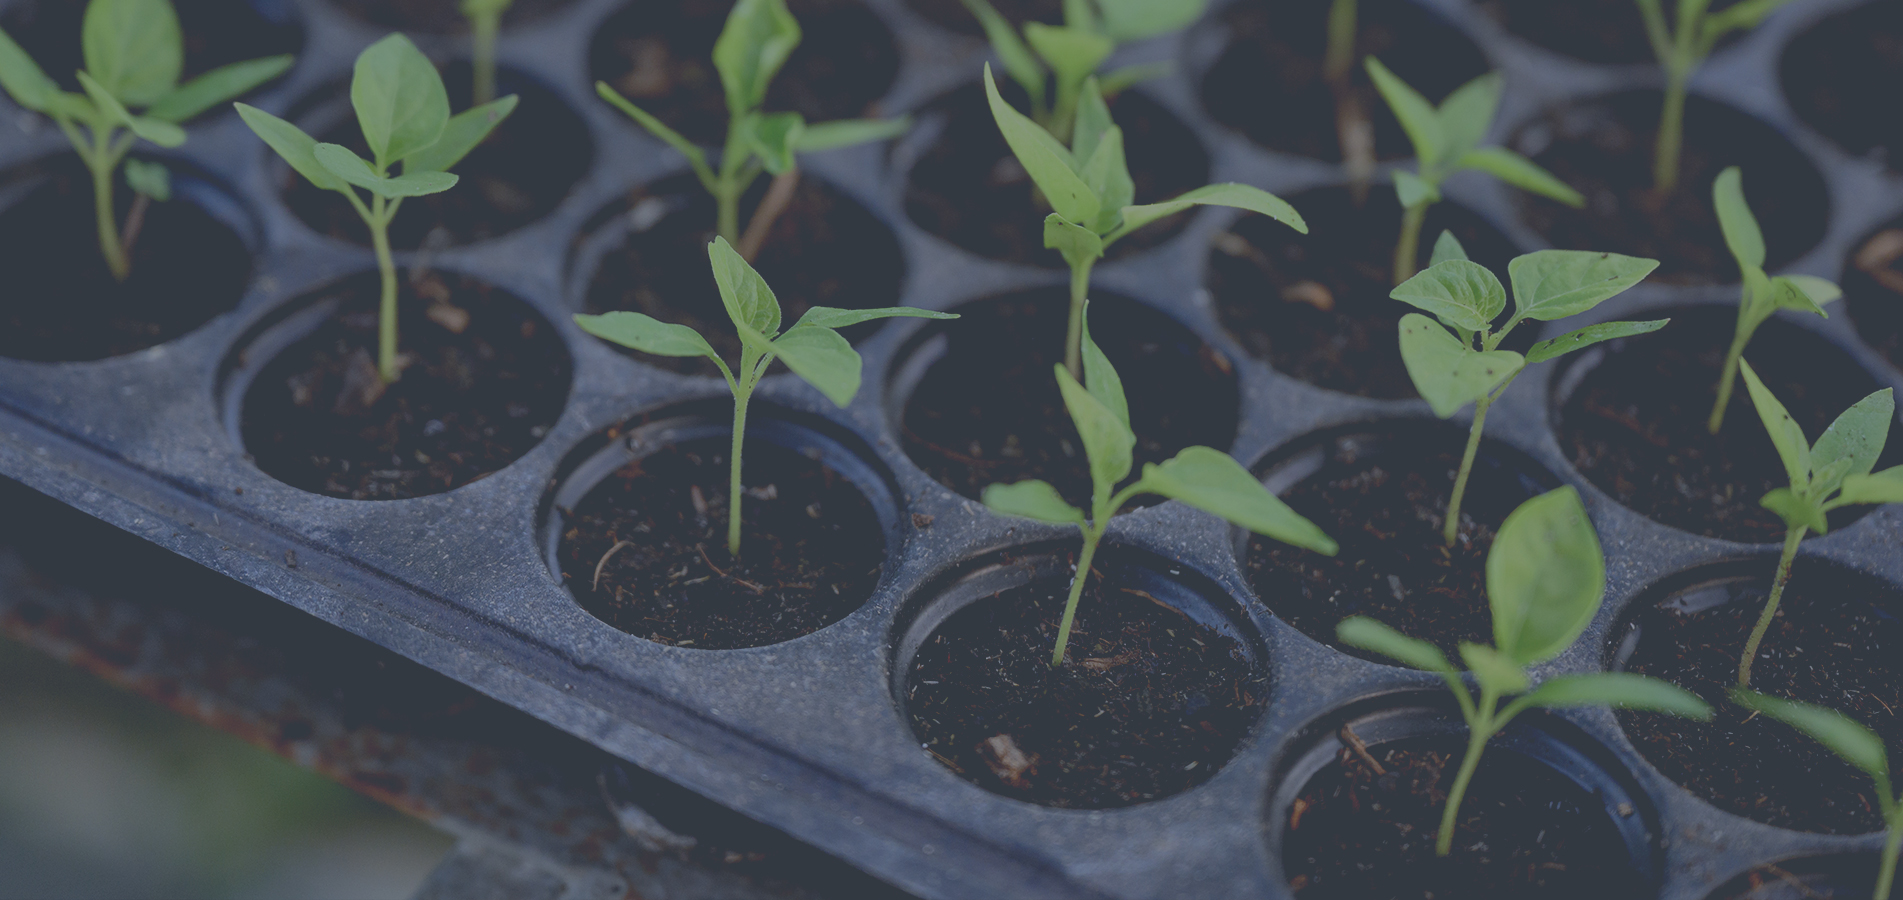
<point x="441" y="16"/>
<point x="215" y="32"/>
<point x="1596" y="31"/>
<point x="1827" y="70"/>
<point x="1839" y="876"/>
<point x="1873" y="291"/>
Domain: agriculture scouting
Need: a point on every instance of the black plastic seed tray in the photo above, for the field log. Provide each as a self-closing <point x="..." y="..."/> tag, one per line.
<point x="811" y="735"/>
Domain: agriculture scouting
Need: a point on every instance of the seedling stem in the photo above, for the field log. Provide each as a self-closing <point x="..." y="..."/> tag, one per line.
<point x="485" y="23"/>
<point x="1681" y="47"/>
<point x="1451" y="530"/>
<point x="1792" y="538"/>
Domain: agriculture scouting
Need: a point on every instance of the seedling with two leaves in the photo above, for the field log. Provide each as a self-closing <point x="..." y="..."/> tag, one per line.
<point x="1833" y="473"/>
<point x="1447" y="140"/>
<point x="134" y="54"/>
<point x="1681" y="47"/>
<point x="1071" y="53"/>
<point x="756" y="41"/>
<point x="1202" y="477"/>
<point x="1545" y="581"/>
<point x="1089" y="186"/>
<point x="485" y="23"/>
<point x="404" y="112"/>
<point x="1468" y="366"/>
<point x="812" y="348"/>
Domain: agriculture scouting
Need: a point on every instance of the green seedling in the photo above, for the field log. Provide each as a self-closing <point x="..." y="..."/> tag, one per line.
<point x="1860" y="747"/>
<point x="1762" y="295"/>
<point x="404" y="112"/>
<point x="1545" y="581"/>
<point x="1088" y="185"/>
<point x="1202" y="477"/>
<point x="757" y="40"/>
<point x="1468" y="366"/>
<point x="1834" y="472"/>
<point x="134" y="56"/>
<point x="485" y="22"/>
<point x="1070" y="54"/>
<point x="1681" y="48"/>
<point x="1447" y="140"/>
<point x="1353" y="131"/>
<point x="812" y="348"/>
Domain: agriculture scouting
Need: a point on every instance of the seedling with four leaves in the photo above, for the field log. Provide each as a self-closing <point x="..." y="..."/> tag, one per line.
<point x="134" y="54"/>
<point x="812" y="348"/>
<point x="1070" y="54"/>
<point x="1545" y="581"/>
<point x="1834" y="472"/>
<point x="1681" y="48"/>
<point x="1202" y="477"/>
<point x="1468" y="366"/>
<point x="485" y="23"/>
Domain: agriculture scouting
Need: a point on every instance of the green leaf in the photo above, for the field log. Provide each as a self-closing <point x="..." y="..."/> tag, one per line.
<point x="1092" y="120"/>
<point x="1048" y="162"/>
<point x="1019" y="62"/>
<point x="1740" y="227"/>
<point x="1446" y="247"/>
<point x="1108" y="175"/>
<point x="1107" y="441"/>
<point x="1858" y="436"/>
<point x="1620" y="690"/>
<point x="1032" y="499"/>
<point x="151" y="179"/>
<point x="753" y="45"/>
<point x="654" y="126"/>
<point x="1744" y="14"/>
<point x="1449" y="374"/>
<point x="1236" y="196"/>
<point x="1367" y="634"/>
<point x="23" y="78"/>
<point x="774" y="137"/>
<point x="1788" y="294"/>
<point x="1210" y="480"/>
<point x="1081" y="14"/>
<point x="1819" y="290"/>
<point x="133" y="48"/>
<point x="1588" y="336"/>
<point x="1463" y="294"/>
<point x="1413" y="190"/>
<point x="850" y="133"/>
<point x="648" y="335"/>
<point x="290" y="142"/>
<point x="1493" y="670"/>
<point x="1100" y="377"/>
<point x="1078" y="244"/>
<point x="399" y="98"/>
<point x="465" y="131"/>
<point x="1545" y="577"/>
<point x="823" y="359"/>
<point x="1467" y="113"/>
<point x="1520" y="172"/>
<point x="1792" y="447"/>
<point x="748" y="299"/>
<point x="217" y="86"/>
<point x="1858" y="745"/>
<point x="1796" y="510"/>
<point x="1073" y="53"/>
<point x="474" y="8"/>
<point x="1554" y="284"/>
<point x="1417" y="116"/>
<point x="1116" y="81"/>
<point x="1883" y="487"/>
<point x="827" y="317"/>
<point x="1130" y="20"/>
<point x="355" y="169"/>
<point x="164" y="134"/>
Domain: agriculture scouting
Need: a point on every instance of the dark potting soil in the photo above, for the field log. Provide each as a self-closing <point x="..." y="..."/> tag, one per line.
<point x="1635" y="423"/>
<point x="1873" y="291"/>
<point x="441" y="16"/>
<point x="1147" y="703"/>
<point x="823" y="250"/>
<point x="968" y="189"/>
<point x="1842" y="877"/>
<point x="1828" y="68"/>
<point x="1835" y="642"/>
<point x="1603" y="148"/>
<point x="952" y="14"/>
<point x="62" y="303"/>
<point x="988" y="411"/>
<point x="810" y="550"/>
<point x="520" y="174"/>
<point x="660" y="56"/>
<point x="485" y="378"/>
<point x="1598" y="31"/>
<point x="1383" y="497"/>
<point x="1524" y="831"/>
<point x="215" y="32"/>
<point x="1318" y="308"/>
<point x="1269" y="83"/>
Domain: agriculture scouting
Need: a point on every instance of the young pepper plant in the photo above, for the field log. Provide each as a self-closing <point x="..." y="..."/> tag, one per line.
<point x="1447" y="140"/>
<point x="1681" y="47"/>
<point x="134" y="55"/>
<point x="1202" y="477"/>
<point x="1832" y="473"/>
<point x="1071" y="54"/>
<point x="1858" y="746"/>
<point x="812" y="348"/>
<point x="1545" y="581"/>
<point x="1468" y="366"/>
<point x="404" y="113"/>
<point x="485" y="23"/>
<point x="756" y="41"/>
<point x="1762" y="295"/>
<point x="1089" y="186"/>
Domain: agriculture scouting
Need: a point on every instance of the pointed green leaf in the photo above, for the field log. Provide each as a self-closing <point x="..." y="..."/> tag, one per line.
<point x="217" y="86"/>
<point x="1413" y="190"/>
<point x="850" y="133"/>
<point x="827" y="317"/>
<point x="1019" y="62"/>
<point x="1463" y="294"/>
<point x="1588" y="336"/>
<point x="465" y="131"/>
<point x="133" y="48"/>
<point x="1493" y="670"/>
<point x="1449" y="374"/>
<point x="1788" y="294"/>
<point x="400" y="101"/>
<point x="1417" y="116"/>
<point x="1792" y="447"/>
<point x="1857" y="436"/>
<point x="1130" y="20"/>
<point x="1796" y="510"/>
<point x="1858" y="745"/>
<point x="773" y="137"/>
<point x="1368" y="634"/>
<point x="354" y="169"/>
<point x="1467" y="113"/>
<point x="1447" y="247"/>
<point x="1819" y="290"/>
<point x="823" y="359"/>
<point x="1883" y="487"/>
<point x="290" y="142"/>
<point x="1620" y="690"/>
<point x="1236" y="196"/>
<point x="1107" y="441"/>
<point x="1212" y="481"/>
<point x="1093" y="121"/>
<point x="1100" y="377"/>
<point x="1047" y="162"/>
<point x="152" y="179"/>
<point x="1073" y="53"/>
<point x="1740" y="227"/>
<point x="1554" y="284"/>
<point x="654" y="126"/>
<point x="1741" y="15"/>
<point x="1108" y="175"/>
<point x="1034" y="500"/>
<point x="23" y="78"/>
<point x="164" y="134"/>
<point x="753" y="45"/>
<point x="1520" y="172"/>
<point x="648" y="335"/>
<point x="1116" y="81"/>
<point x="1545" y="577"/>
<point x="748" y="299"/>
<point x="1078" y="244"/>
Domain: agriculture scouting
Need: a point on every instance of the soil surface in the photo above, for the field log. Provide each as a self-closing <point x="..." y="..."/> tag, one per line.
<point x="1316" y="306"/>
<point x="1147" y="703"/>
<point x="216" y="33"/>
<point x="1635" y="424"/>
<point x="520" y="174"/>
<point x="1873" y="291"/>
<point x="1835" y="642"/>
<point x="1384" y="499"/>
<point x="952" y="14"/>
<point x="441" y="16"/>
<point x="1845" y="877"/>
<point x="1603" y="148"/>
<point x="485" y="377"/>
<point x="62" y="303"/>
<point x="1524" y="831"/>
<point x="989" y="410"/>
<point x="968" y="189"/>
<point x="1269" y="83"/>
<point x="660" y="56"/>
<point x="1828" y="69"/>
<point x="1599" y="31"/>
<point x="810" y="549"/>
<point x="823" y="250"/>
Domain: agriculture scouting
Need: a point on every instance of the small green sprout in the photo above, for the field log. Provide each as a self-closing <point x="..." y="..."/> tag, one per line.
<point x="1762" y="295"/>
<point x="485" y="22"/>
<point x="1092" y="29"/>
<point x="134" y="56"/>
<point x="1447" y="140"/>
<point x="1860" y="747"/>
<point x="1202" y="477"/>
<point x="1089" y="186"/>
<point x="811" y="348"/>
<point x="1353" y="131"/>
<point x="1545" y="581"/>
<point x="1680" y="52"/>
<point x="404" y="112"/>
<point x="756" y="41"/>
<point x="1339" y="63"/>
<point x="1834" y="472"/>
<point x="1468" y="366"/>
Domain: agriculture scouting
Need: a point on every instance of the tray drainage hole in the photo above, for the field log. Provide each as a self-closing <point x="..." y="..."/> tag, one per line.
<point x="441" y="16"/>
<point x="1841" y="876"/>
<point x="1873" y="290"/>
<point x="216" y="33"/>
